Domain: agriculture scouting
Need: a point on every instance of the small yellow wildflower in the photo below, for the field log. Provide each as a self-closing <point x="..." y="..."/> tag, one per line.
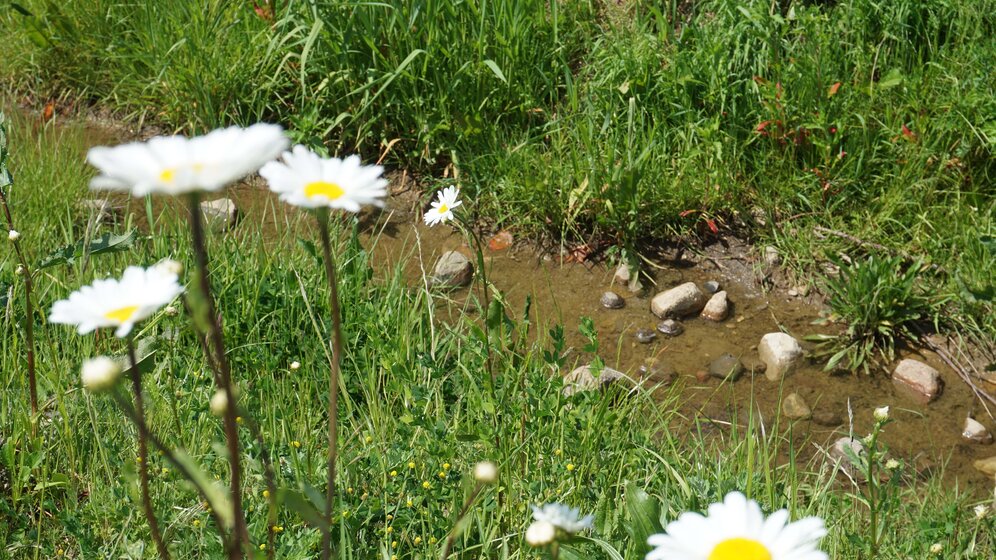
<point x="446" y="466"/>
<point x="164" y="470"/>
<point x="558" y="452"/>
<point x="426" y="485"/>
<point x="394" y="544"/>
<point x="432" y="540"/>
<point x="570" y="466"/>
<point x="441" y="474"/>
<point x="277" y="529"/>
<point x="197" y="523"/>
<point x="418" y="540"/>
<point x="262" y="546"/>
<point x="345" y="513"/>
<point x="394" y="474"/>
<point x="296" y="444"/>
<point x="266" y="493"/>
<point x="409" y="503"/>
<point x="369" y="439"/>
<point x="238" y="419"/>
<point x="349" y="490"/>
<point x="390" y="517"/>
<point x="389" y="530"/>
<point x="364" y="496"/>
<point x="411" y="464"/>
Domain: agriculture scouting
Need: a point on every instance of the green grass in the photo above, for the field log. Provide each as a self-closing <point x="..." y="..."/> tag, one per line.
<point x="585" y="121"/>
<point x="569" y="119"/>
<point x="415" y="392"/>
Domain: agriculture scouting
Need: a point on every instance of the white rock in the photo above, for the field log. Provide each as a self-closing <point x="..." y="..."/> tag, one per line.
<point x="583" y="379"/>
<point x="975" y="432"/>
<point x="717" y="308"/>
<point x="622" y="274"/>
<point x="839" y="454"/>
<point x="781" y="355"/>
<point x="918" y="380"/>
<point x="220" y="214"/>
<point x="453" y="269"/>
<point x="686" y="299"/>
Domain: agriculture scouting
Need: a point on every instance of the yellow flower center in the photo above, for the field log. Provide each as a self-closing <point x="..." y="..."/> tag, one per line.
<point x="167" y="175"/>
<point x="121" y="315"/>
<point x="330" y="191"/>
<point x="739" y="548"/>
<point x="443" y="208"/>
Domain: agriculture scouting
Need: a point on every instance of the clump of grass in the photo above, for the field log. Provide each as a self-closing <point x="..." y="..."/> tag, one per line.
<point x="883" y="301"/>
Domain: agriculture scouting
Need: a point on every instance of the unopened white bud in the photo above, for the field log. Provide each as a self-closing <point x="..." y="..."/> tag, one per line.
<point x="485" y="472"/>
<point x="981" y="511"/>
<point x="20" y="270"/>
<point x="295" y="365"/>
<point x="100" y="373"/>
<point x="541" y="533"/>
<point x="170" y="266"/>
<point x="13" y="235"/>
<point x="881" y="413"/>
<point x="936" y="548"/>
<point x="219" y="403"/>
<point x="172" y="311"/>
<point x="892" y="464"/>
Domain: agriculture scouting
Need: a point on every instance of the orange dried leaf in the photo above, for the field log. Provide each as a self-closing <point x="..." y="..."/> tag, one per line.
<point x="833" y="89"/>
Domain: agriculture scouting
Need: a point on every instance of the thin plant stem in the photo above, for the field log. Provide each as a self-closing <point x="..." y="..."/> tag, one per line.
<point x="463" y="512"/>
<point x="143" y="453"/>
<point x="475" y="237"/>
<point x="143" y="429"/>
<point x="223" y="376"/>
<point x="29" y="326"/>
<point x="337" y="344"/>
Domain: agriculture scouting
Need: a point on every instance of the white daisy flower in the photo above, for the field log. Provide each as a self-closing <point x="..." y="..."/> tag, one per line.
<point x="737" y="530"/>
<point x="118" y="303"/>
<point x="541" y="533"/>
<point x="564" y="518"/>
<point x="442" y="208"/>
<point x="100" y="373"/>
<point x="175" y="164"/>
<point x="307" y="180"/>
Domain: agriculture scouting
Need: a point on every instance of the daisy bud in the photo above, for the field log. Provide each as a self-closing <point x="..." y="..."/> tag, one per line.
<point x="881" y="414"/>
<point x="295" y="365"/>
<point x="485" y="472"/>
<point x="100" y="373"/>
<point x="936" y="548"/>
<point x="171" y="311"/>
<point x="170" y="266"/>
<point x="892" y="464"/>
<point x="541" y="533"/>
<point x="20" y="270"/>
<point x="219" y="403"/>
<point x="13" y="235"/>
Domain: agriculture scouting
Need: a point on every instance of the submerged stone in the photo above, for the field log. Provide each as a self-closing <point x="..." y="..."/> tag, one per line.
<point x="612" y="300"/>
<point x="686" y="299"/>
<point x="795" y="408"/>
<point x="453" y="269"/>
<point x="781" y="353"/>
<point x="917" y="380"/>
<point x="670" y="327"/>
<point x="726" y="367"/>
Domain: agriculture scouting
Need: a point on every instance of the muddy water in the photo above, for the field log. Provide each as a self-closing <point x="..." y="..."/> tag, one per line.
<point x="925" y="437"/>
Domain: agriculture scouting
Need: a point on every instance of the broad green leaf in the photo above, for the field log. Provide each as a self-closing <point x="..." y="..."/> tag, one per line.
<point x="107" y="243"/>
<point x="215" y="494"/>
<point x="644" y="517"/>
<point x="298" y="503"/>
<point x="892" y="79"/>
<point x="497" y="71"/>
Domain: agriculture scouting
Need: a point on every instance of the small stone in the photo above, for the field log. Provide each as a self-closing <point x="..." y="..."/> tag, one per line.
<point x="986" y="466"/>
<point x="670" y="327"/>
<point x="781" y="353"/>
<point x="975" y="432"/>
<point x="795" y="408"/>
<point x="917" y="380"/>
<point x="453" y="269"/>
<point x="622" y="275"/>
<point x="711" y="287"/>
<point x="839" y="453"/>
<point x="792" y="292"/>
<point x="754" y="365"/>
<point x="583" y="379"/>
<point x="827" y="418"/>
<point x="220" y="214"/>
<point x="726" y="367"/>
<point x="686" y="299"/>
<point x="658" y="373"/>
<point x="645" y="336"/>
<point x="612" y="300"/>
<point x="771" y="256"/>
<point x="702" y="375"/>
<point x="717" y="308"/>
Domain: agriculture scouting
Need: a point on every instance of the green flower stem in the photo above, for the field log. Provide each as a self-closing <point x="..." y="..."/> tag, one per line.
<point x="337" y="344"/>
<point x="206" y="317"/>
<point x="470" y="232"/>
<point x="29" y="325"/>
<point x="143" y="453"/>
<point x="872" y="489"/>
<point x="456" y="524"/>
